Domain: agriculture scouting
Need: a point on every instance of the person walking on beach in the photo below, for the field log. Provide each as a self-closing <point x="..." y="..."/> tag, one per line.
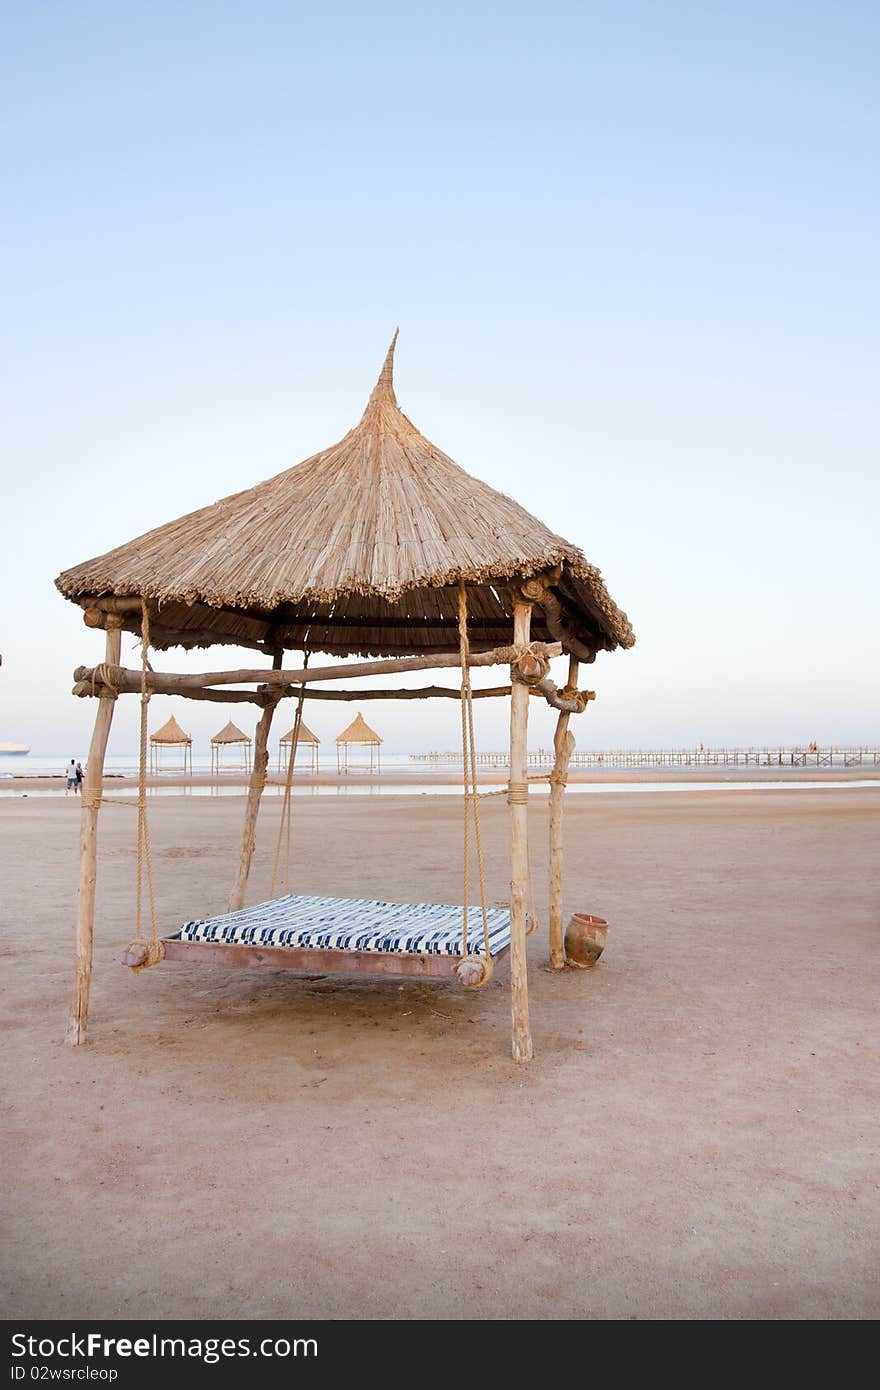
<point x="72" y="784"/>
<point x="80" y="776"/>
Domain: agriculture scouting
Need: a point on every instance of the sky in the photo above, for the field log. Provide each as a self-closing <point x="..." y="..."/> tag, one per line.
<point x="632" y="250"/>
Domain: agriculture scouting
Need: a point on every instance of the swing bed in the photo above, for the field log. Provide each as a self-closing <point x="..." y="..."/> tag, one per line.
<point x="326" y="557"/>
<point x="332" y="935"/>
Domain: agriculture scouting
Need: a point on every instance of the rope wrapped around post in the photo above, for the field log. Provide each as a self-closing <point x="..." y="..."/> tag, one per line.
<point x="111" y="678"/>
<point x="530" y="663"/>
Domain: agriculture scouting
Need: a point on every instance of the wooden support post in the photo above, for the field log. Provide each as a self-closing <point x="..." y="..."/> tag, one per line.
<point x="519" y="846"/>
<point x="255" y="791"/>
<point x="563" y="742"/>
<point x="88" y="845"/>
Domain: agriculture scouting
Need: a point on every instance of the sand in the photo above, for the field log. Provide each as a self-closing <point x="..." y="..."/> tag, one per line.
<point x="696" y="1138"/>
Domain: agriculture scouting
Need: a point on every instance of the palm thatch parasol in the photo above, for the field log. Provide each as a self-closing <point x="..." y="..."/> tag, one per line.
<point x="358" y="731"/>
<point x="305" y="738"/>
<point x="231" y="733"/>
<point x="170" y="736"/>
<point x="358" y="550"/>
<point x="170" y="733"/>
<point x="230" y="736"/>
<point x="305" y="735"/>
<point x="358" y="734"/>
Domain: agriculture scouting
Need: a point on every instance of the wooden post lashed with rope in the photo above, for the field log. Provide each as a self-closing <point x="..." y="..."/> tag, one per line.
<point x="517" y="796"/>
<point x="563" y="743"/>
<point x="88" y="844"/>
<point x="255" y="791"/>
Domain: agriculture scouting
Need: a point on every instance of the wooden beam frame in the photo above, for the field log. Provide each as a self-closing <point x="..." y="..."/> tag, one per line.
<point x="312" y="961"/>
<point x="126" y="681"/>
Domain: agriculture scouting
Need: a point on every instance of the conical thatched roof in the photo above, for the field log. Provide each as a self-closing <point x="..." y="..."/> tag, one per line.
<point x="357" y="550"/>
<point x="305" y="735"/>
<point x="170" y="732"/>
<point x="358" y="731"/>
<point x="231" y="733"/>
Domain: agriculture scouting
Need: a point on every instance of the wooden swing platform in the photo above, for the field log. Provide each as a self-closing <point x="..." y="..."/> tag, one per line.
<point x="355" y="936"/>
<point x="310" y="961"/>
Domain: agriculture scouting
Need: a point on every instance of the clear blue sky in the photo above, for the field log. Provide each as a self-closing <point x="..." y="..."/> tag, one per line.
<point x="632" y="249"/>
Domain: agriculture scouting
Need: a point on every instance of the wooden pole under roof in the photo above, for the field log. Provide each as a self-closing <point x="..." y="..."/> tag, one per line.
<point x="88" y="845"/>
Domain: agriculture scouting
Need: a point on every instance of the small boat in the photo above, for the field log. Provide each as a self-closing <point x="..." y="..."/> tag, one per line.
<point x="13" y="749"/>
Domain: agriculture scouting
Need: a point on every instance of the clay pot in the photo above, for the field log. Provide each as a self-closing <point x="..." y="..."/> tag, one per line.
<point x="585" y="940"/>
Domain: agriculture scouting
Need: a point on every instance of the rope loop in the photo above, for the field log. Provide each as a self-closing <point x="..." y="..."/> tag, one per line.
<point x="286" y="806"/>
<point x="108" y="676"/>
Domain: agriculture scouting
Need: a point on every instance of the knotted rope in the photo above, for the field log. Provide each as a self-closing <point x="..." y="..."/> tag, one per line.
<point x="526" y="652"/>
<point x="154" y="948"/>
<point x="106" y="675"/>
<point x="286" y="807"/>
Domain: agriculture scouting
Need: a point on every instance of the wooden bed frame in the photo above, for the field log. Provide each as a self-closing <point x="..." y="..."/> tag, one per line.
<point x="311" y="961"/>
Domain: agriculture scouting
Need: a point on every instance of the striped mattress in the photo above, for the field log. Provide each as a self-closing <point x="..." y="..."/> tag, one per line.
<point x="354" y="924"/>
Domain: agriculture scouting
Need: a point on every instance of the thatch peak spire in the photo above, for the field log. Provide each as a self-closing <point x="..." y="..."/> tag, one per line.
<point x="384" y="389"/>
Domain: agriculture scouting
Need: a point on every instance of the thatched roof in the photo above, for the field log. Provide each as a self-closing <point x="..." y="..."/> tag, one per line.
<point x="170" y="732"/>
<point x="358" y="731"/>
<point x="305" y="735"/>
<point x="231" y="733"/>
<point x="357" y="550"/>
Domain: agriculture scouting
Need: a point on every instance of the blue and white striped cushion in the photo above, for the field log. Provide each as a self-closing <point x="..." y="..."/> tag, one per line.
<point x="354" y="924"/>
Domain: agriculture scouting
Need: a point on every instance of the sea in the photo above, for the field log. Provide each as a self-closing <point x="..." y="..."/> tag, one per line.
<point x="122" y="770"/>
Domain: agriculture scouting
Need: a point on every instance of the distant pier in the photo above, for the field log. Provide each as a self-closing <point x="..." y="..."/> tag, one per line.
<point x="679" y="757"/>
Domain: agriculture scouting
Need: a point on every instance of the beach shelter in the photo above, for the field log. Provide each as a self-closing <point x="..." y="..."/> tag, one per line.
<point x="306" y="742"/>
<point x="379" y="548"/>
<point x="230" y="739"/>
<point x="358" y="736"/>
<point x="169" y="737"/>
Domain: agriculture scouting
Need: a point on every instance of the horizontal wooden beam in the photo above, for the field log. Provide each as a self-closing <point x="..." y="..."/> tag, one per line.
<point x="84" y="688"/>
<point x="174" y="637"/>
<point x="423" y="692"/>
<point x="131" y="607"/>
<point x="126" y="681"/>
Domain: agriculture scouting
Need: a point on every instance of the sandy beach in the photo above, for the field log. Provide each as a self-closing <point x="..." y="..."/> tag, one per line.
<point x="696" y="1137"/>
<point x="421" y="775"/>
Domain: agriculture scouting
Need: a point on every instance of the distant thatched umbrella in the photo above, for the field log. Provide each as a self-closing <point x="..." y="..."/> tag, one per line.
<point x="357" y="550"/>
<point x="231" y="736"/>
<point x="305" y="739"/>
<point x="358" y="735"/>
<point x="170" y="736"/>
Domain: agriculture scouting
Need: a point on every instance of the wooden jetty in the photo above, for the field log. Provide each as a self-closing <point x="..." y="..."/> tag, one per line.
<point x="679" y="757"/>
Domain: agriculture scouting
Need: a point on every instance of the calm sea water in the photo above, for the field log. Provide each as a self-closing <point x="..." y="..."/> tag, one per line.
<point x="126" y="764"/>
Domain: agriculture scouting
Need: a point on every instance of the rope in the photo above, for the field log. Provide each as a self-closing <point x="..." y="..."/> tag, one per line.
<point x="155" y="950"/>
<point x="104" y="674"/>
<point x="538" y="652"/>
<point x="286" y="806"/>
<point x="469" y="769"/>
